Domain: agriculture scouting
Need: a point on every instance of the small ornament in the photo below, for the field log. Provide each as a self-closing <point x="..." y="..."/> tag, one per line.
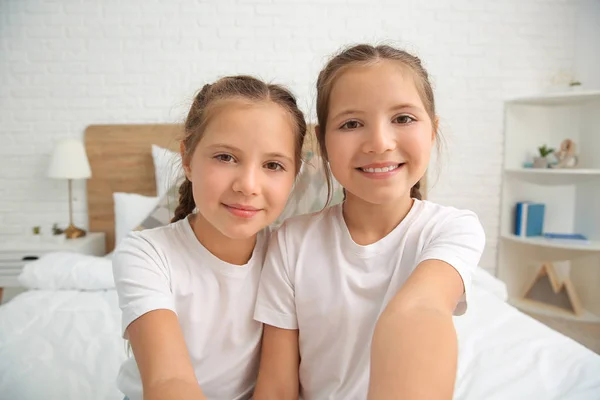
<point x="542" y="160"/>
<point x="566" y="157"/>
<point x="552" y="288"/>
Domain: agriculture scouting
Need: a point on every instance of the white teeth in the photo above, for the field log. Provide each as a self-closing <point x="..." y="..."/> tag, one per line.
<point x="384" y="169"/>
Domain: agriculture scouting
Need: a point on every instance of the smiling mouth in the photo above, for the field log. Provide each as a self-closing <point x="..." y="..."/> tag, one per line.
<point x="242" y="211"/>
<point x="242" y="207"/>
<point x="373" y="170"/>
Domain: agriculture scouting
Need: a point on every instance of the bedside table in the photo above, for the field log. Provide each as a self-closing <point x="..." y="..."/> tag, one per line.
<point x="15" y="253"/>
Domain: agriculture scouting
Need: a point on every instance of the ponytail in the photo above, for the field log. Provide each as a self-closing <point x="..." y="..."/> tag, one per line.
<point x="415" y="191"/>
<point x="186" y="201"/>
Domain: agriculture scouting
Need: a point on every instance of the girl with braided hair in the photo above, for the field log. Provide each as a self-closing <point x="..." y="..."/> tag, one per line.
<point x="187" y="290"/>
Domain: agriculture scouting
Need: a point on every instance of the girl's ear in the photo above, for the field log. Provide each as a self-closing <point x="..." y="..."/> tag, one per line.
<point x="185" y="162"/>
<point x="317" y="131"/>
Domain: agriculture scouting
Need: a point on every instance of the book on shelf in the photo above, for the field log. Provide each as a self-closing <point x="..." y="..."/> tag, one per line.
<point x="567" y="237"/>
<point x="529" y="219"/>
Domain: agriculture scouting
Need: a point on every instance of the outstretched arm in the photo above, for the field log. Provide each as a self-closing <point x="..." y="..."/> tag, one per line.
<point x="162" y="357"/>
<point x="414" y="349"/>
<point x="150" y="323"/>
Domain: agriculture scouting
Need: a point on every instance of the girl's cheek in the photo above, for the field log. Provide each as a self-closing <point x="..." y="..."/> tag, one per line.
<point x="208" y="174"/>
<point x="418" y="144"/>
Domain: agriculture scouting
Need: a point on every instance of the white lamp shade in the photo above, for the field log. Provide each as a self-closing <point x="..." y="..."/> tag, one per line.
<point x="69" y="161"/>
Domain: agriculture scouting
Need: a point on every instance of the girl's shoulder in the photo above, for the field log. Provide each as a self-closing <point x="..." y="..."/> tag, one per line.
<point x="429" y="210"/>
<point x="440" y="220"/>
<point x="159" y="239"/>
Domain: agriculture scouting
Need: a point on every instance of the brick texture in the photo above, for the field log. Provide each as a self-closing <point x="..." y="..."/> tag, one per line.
<point x="68" y="64"/>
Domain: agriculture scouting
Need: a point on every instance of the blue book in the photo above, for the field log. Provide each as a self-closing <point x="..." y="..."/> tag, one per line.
<point x="529" y="219"/>
<point x="574" y="237"/>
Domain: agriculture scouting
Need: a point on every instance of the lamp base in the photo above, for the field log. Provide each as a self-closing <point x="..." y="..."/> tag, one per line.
<point x="72" y="232"/>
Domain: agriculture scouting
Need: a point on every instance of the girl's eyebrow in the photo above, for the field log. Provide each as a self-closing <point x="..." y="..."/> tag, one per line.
<point x="406" y="106"/>
<point x="233" y="149"/>
<point x="346" y="112"/>
<point x="403" y="106"/>
<point x="223" y="146"/>
<point x="280" y="156"/>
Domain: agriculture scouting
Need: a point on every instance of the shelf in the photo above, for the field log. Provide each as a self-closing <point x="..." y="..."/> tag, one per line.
<point x="531" y="307"/>
<point x="554" y="176"/>
<point x="553" y="243"/>
<point x="558" y="98"/>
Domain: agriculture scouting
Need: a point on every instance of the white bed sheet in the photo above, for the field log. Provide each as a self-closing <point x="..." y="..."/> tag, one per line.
<point x="60" y="345"/>
<point x="66" y="345"/>
<point x="505" y="354"/>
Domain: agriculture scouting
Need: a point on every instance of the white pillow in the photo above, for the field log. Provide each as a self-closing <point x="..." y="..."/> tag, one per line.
<point x="68" y="271"/>
<point x="310" y="191"/>
<point x="130" y="210"/>
<point x="167" y="169"/>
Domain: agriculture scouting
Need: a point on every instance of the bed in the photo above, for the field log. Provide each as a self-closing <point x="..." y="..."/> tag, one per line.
<point x="64" y="343"/>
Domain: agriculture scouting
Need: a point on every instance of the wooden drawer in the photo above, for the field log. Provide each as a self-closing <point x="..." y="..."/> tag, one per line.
<point x="9" y="272"/>
<point x="18" y="256"/>
<point x="12" y="263"/>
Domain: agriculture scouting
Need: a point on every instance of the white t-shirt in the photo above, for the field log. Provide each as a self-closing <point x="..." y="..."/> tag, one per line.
<point x="168" y="268"/>
<point x="318" y="280"/>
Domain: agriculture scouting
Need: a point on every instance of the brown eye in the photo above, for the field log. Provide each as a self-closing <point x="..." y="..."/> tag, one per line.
<point x="404" y="119"/>
<point x="350" y="125"/>
<point x="226" y="158"/>
<point x="274" y="166"/>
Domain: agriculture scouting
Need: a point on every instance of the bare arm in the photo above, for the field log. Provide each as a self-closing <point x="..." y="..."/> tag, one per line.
<point x="414" y="350"/>
<point x="162" y="357"/>
<point x="278" y="371"/>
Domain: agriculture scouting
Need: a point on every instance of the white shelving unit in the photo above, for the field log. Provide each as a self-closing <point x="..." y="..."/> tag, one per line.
<point x="592" y="246"/>
<point x="551" y="176"/>
<point x="571" y="196"/>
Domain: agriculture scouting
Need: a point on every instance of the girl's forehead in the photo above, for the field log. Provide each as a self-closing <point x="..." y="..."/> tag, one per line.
<point x="231" y="115"/>
<point x="375" y="76"/>
<point x="259" y="126"/>
<point x="374" y="83"/>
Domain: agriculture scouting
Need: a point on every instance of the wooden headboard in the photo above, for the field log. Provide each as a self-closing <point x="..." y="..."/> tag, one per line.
<point x="121" y="161"/>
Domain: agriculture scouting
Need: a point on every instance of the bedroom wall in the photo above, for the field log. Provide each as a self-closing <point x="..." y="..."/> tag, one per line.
<point x="587" y="49"/>
<point x="65" y="65"/>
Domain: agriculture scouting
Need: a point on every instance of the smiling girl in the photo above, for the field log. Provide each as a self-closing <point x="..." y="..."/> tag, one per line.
<point x="187" y="290"/>
<point x="358" y="299"/>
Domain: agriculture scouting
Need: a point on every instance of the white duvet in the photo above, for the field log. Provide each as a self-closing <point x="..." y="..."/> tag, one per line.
<point x="505" y="354"/>
<point x="65" y="345"/>
<point x="60" y="345"/>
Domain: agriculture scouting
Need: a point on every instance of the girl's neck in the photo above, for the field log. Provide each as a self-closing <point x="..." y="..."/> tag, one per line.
<point x="232" y="251"/>
<point x="368" y="222"/>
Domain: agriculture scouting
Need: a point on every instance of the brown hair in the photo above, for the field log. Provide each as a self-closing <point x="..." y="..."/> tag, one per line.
<point x="227" y="88"/>
<point x="364" y="54"/>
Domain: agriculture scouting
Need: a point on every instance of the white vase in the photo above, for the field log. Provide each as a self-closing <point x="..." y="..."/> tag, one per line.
<point x="540" y="162"/>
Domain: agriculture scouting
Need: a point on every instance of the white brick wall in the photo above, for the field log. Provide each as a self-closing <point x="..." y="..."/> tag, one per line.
<point x="68" y="64"/>
<point x="587" y="50"/>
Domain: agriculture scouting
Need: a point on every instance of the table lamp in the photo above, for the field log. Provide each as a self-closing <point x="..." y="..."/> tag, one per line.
<point x="69" y="161"/>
